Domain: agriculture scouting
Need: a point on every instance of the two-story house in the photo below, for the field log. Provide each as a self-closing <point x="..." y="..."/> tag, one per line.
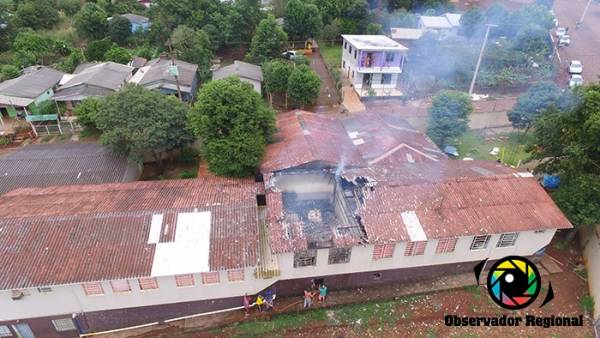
<point x="373" y="64"/>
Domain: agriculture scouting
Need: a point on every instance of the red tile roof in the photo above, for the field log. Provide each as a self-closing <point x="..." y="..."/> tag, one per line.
<point x="304" y="138"/>
<point x="72" y="234"/>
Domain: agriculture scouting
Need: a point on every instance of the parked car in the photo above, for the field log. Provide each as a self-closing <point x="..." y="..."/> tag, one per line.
<point x="576" y="80"/>
<point x="560" y="31"/>
<point x="564" y="40"/>
<point x="290" y="54"/>
<point x="575" y="67"/>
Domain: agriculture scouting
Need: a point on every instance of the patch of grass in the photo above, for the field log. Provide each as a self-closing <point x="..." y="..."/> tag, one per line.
<point x="375" y="312"/>
<point x="186" y="174"/>
<point x="279" y="323"/>
<point x="331" y="54"/>
<point x="89" y="134"/>
<point x="46" y="138"/>
<point x="512" y="147"/>
<point x="587" y="303"/>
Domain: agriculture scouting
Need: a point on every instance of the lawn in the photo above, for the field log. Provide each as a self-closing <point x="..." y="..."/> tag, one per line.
<point x="512" y="147"/>
<point x="332" y="54"/>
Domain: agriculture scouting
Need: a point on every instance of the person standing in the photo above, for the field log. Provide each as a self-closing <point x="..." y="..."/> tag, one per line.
<point x="259" y="302"/>
<point x="322" y="292"/>
<point x="307" y="299"/>
<point x="246" y="305"/>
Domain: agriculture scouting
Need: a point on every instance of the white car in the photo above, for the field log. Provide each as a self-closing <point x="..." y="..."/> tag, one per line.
<point x="290" y="54"/>
<point x="564" y="40"/>
<point x="575" y="67"/>
<point x="560" y="31"/>
<point x="576" y="80"/>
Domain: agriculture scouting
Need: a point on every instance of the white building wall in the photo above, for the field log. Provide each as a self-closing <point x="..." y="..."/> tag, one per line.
<point x="68" y="299"/>
<point x="591" y="255"/>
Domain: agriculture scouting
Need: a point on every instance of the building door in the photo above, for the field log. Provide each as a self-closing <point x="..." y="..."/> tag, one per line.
<point x="367" y="80"/>
<point x="23" y="330"/>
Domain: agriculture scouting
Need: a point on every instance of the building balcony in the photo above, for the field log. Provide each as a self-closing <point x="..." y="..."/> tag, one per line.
<point x="382" y="69"/>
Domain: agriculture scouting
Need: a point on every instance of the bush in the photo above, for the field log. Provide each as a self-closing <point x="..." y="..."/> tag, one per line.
<point x="118" y="55"/>
<point x="587" y="303"/>
<point x="186" y="174"/>
<point x="87" y="112"/>
<point x="69" y="7"/>
<point x="8" y="72"/>
<point x="4" y="140"/>
<point x="188" y="156"/>
<point x="96" y="50"/>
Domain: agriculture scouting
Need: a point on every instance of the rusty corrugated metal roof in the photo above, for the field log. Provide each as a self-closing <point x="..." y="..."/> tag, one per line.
<point x="71" y="234"/>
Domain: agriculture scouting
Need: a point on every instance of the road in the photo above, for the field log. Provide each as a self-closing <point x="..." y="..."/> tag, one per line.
<point x="585" y="41"/>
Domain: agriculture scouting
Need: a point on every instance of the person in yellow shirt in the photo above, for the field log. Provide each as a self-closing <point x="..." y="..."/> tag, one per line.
<point x="260" y="300"/>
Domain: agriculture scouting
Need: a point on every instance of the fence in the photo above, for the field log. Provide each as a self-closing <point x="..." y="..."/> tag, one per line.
<point x="68" y="127"/>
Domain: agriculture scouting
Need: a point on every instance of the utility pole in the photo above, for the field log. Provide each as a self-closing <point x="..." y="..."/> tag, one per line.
<point x="175" y="71"/>
<point x="487" y="33"/>
<point x="580" y="22"/>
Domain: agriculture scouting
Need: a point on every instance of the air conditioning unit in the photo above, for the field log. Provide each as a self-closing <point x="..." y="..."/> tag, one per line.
<point x="17" y="294"/>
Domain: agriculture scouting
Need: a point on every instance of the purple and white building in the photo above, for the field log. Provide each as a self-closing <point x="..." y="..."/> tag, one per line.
<point x="373" y="64"/>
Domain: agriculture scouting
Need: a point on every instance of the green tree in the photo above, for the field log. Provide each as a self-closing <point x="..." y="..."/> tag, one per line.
<point x="471" y="21"/>
<point x="91" y="22"/>
<point x="8" y="72"/>
<point x="30" y="48"/>
<point x="268" y="42"/>
<point x="531" y="104"/>
<point x="135" y="121"/>
<point x="193" y="46"/>
<point x="393" y="5"/>
<point x="304" y="85"/>
<point x="87" y="112"/>
<point x="37" y="14"/>
<point x="374" y="29"/>
<point x="71" y="62"/>
<point x="276" y="74"/>
<point x="301" y="20"/>
<point x="331" y="31"/>
<point x="69" y="7"/>
<point x="118" y="54"/>
<point x="234" y="125"/>
<point x="448" y="116"/>
<point x="533" y="40"/>
<point x="96" y="50"/>
<point x="119" y="29"/>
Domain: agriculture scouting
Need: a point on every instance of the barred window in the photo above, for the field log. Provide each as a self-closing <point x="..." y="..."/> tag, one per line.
<point x="63" y="324"/>
<point x="235" y="275"/>
<point x="149" y="283"/>
<point x="210" y="277"/>
<point x="5" y="331"/>
<point x="446" y="245"/>
<point x="507" y="239"/>
<point x="389" y="57"/>
<point x="44" y="289"/>
<point x="305" y="258"/>
<point x="480" y="242"/>
<point x="415" y="248"/>
<point x="120" y="285"/>
<point x="381" y="251"/>
<point x="93" y="289"/>
<point x="184" y="280"/>
<point x="339" y="255"/>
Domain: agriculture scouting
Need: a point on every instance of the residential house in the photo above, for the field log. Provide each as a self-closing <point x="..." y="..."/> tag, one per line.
<point x="36" y="85"/>
<point x="443" y="25"/>
<point x="160" y="74"/>
<point x="373" y="64"/>
<point x="138" y="23"/>
<point x="57" y="164"/>
<point x="92" y="80"/>
<point x="353" y="203"/>
<point x="246" y="72"/>
<point x="406" y="36"/>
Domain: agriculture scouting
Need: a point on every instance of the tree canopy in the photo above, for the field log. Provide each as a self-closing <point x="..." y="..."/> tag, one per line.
<point x="304" y="85"/>
<point x="268" y="41"/>
<point x="448" y="116"/>
<point x="302" y="20"/>
<point x="193" y="46"/>
<point x="471" y="21"/>
<point x="118" y="54"/>
<point x="276" y="74"/>
<point x="234" y="126"/>
<point x="566" y="143"/>
<point x="37" y="14"/>
<point x="119" y="29"/>
<point x="91" y="22"/>
<point x="135" y="121"/>
<point x="531" y="104"/>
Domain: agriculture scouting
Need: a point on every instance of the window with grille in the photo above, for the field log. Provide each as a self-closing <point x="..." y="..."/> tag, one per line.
<point x="210" y="277"/>
<point x="63" y="324"/>
<point x="381" y="251"/>
<point x="184" y="280"/>
<point x="120" y="285"/>
<point x="480" y="242"/>
<point x="93" y="289"/>
<point x="235" y="275"/>
<point x="339" y="255"/>
<point x="5" y="331"/>
<point x="350" y="49"/>
<point x="305" y="258"/>
<point x="386" y="78"/>
<point x="149" y="283"/>
<point x="507" y="239"/>
<point x="446" y="245"/>
<point x="415" y="248"/>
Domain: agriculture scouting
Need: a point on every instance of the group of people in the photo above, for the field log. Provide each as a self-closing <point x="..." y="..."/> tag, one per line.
<point x="267" y="301"/>
<point x="309" y="294"/>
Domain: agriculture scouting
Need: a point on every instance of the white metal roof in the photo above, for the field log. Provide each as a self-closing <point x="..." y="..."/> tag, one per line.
<point x="399" y="33"/>
<point x="373" y="42"/>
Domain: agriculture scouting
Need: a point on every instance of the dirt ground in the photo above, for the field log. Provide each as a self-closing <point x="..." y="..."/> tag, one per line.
<point x="328" y="97"/>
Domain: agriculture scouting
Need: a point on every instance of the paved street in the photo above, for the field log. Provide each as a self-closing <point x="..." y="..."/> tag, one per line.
<point x="585" y="41"/>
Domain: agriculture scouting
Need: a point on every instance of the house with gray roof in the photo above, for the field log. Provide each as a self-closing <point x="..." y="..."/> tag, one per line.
<point x="36" y="85"/>
<point x="138" y="22"/>
<point x="247" y="72"/>
<point x="44" y="165"/>
<point x="160" y="74"/>
<point x="92" y="79"/>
